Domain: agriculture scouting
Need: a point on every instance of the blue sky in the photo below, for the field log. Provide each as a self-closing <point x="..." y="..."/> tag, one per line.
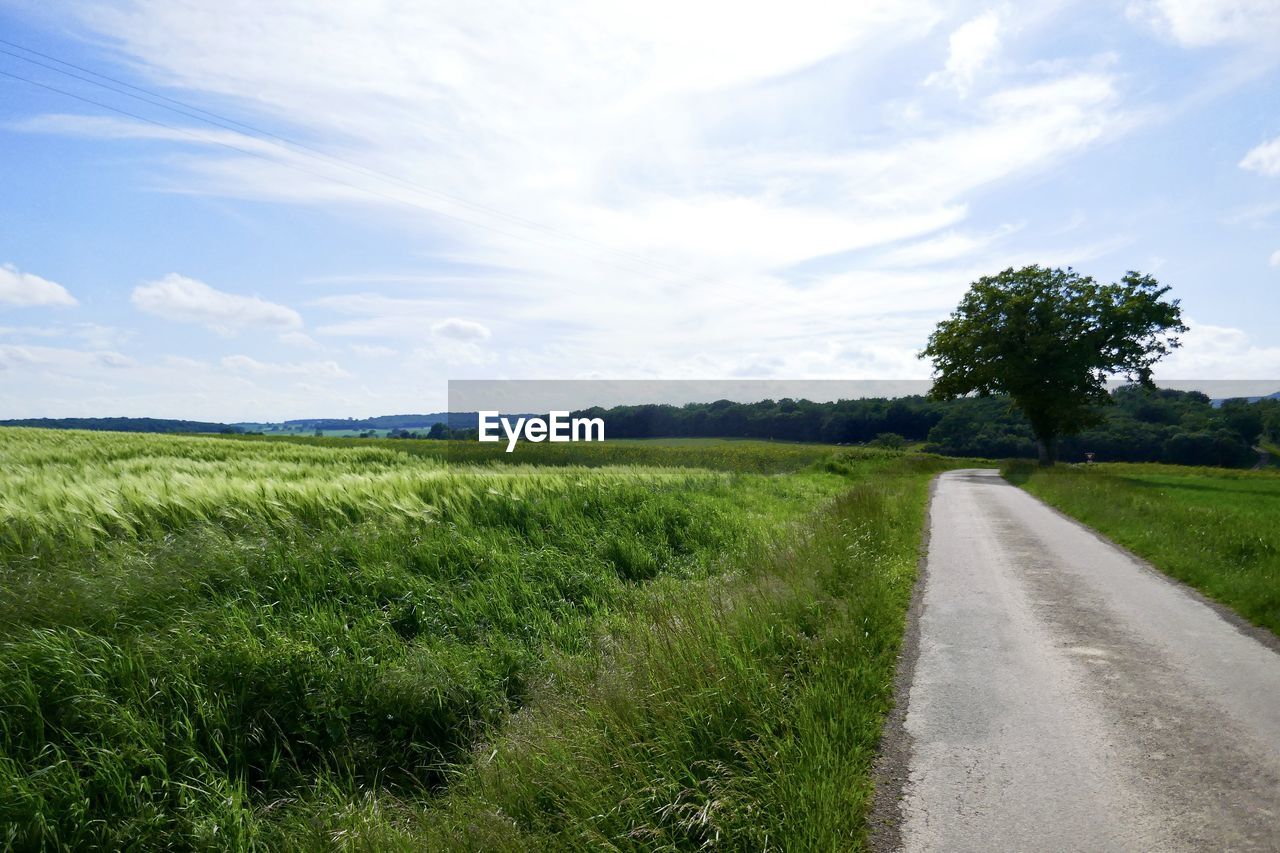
<point x="584" y="189"/>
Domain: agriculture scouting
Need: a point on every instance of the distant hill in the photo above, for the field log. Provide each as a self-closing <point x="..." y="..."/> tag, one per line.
<point x="124" y="424"/>
<point x="380" y="424"/>
<point x="1275" y="396"/>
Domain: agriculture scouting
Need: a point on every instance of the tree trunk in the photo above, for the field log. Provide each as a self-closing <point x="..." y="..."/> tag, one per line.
<point x="1047" y="449"/>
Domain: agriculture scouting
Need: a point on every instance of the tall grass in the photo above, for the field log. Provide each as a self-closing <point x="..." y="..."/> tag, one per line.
<point x="745" y="718"/>
<point x="759" y="457"/>
<point x="239" y="644"/>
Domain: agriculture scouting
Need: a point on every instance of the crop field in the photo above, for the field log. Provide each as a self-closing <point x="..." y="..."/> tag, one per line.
<point x="362" y="644"/>
<point x="1216" y="529"/>
<point x="736" y="455"/>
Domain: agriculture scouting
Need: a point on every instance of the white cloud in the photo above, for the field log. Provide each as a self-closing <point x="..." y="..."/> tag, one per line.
<point x="460" y="330"/>
<point x="23" y="289"/>
<point x="1013" y="131"/>
<point x="1275" y="258"/>
<point x="95" y="336"/>
<point x="1199" y="23"/>
<point x="315" y="369"/>
<point x="972" y="46"/>
<point x="1264" y="159"/>
<point x="186" y="300"/>
<point x="509" y="134"/>
<point x="365" y="47"/>
<point x="1220" y="352"/>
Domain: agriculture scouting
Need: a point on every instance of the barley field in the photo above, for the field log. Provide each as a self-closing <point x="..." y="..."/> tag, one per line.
<point x="211" y="643"/>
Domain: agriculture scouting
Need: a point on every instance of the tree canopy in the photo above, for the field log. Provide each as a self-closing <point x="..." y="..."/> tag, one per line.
<point x="1050" y="339"/>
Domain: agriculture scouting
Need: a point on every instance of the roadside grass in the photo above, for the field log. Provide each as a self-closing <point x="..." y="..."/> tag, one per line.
<point x="1216" y="529"/>
<point x="745" y="716"/>
<point x="232" y="644"/>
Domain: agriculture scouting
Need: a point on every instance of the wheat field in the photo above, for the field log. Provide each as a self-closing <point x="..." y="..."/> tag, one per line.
<point x="238" y="644"/>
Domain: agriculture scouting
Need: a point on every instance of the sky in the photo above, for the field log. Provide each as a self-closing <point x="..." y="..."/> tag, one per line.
<point x="239" y="211"/>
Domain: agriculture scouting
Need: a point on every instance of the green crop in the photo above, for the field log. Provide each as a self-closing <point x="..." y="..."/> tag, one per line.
<point x="223" y="643"/>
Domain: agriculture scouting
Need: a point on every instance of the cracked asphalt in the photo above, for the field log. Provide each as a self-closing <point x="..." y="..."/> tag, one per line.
<point x="1062" y="695"/>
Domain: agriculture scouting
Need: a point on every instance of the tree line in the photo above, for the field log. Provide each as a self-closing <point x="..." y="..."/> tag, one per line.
<point x="161" y="425"/>
<point x="1142" y="425"/>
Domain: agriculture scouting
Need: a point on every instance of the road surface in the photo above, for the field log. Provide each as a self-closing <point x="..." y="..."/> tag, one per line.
<point x="1066" y="697"/>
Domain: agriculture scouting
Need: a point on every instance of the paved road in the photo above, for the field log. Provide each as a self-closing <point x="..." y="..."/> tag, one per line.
<point x="1065" y="697"/>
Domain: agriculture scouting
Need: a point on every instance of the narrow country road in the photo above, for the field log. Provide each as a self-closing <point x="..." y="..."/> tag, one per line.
<point x="1066" y="697"/>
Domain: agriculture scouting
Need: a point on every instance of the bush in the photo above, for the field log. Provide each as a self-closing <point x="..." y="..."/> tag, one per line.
<point x="888" y="441"/>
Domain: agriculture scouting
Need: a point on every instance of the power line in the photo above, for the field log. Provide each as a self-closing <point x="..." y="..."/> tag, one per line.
<point x="115" y="80"/>
<point x="191" y="111"/>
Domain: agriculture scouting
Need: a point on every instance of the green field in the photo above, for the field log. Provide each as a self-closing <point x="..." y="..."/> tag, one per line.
<point x="363" y="644"/>
<point x="734" y="455"/>
<point x="1216" y="529"/>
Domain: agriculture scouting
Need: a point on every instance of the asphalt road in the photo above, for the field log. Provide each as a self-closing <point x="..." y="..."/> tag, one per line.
<point x="1066" y="696"/>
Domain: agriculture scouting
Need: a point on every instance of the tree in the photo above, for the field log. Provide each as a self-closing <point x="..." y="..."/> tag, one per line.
<point x="1050" y="339"/>
<point x="1244" y="418"/>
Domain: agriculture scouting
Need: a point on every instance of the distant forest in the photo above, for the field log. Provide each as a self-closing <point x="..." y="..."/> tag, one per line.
<point x="124" y="424"/>
<point x="1182" y="427"/>
<point x="382" y="422"/>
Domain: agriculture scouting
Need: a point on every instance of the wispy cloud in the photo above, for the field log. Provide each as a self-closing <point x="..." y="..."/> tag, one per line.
<point x="372" y="315"/>
<point x="110" y="127"/>
<point x="1199" y="23"/>
<point x="299" y="339"/>
<point x="635" y="149"/>
<point x="185" y="300"/>
<point x="39" y="357"/>
<point x="795" y="192"/>
<point x="943" y="248"/>
<point x="314" y="369"/>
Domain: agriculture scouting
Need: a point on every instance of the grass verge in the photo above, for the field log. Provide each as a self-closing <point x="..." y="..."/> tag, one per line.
<point x="1212" y="528"/>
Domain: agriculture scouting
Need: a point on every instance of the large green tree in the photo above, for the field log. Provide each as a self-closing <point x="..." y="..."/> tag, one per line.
<point x="1050" y="339"/>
